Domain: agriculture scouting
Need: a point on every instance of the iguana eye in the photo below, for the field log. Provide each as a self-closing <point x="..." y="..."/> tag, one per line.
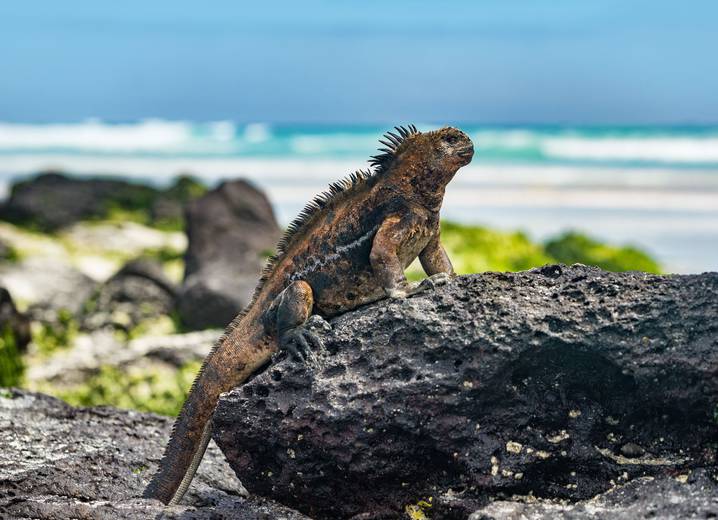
<point x="451" y="139"/>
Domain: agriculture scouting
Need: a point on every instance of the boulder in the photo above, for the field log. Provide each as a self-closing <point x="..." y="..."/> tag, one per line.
<point x="90" y="352"/>
<point x="50" y="283"/>
<point x="231" y="231"/>
<point x="168" y="208"/>
<point x="52" y="200"/>
<point x="556" y="384"/>
<point x="63" y="462"/>
<point x="137" y="292"/>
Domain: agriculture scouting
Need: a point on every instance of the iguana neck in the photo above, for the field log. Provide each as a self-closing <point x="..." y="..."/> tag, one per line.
<point x="419" y="184"/>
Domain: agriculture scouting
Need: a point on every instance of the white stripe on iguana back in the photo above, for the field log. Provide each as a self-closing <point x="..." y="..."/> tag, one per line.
<point x="314" y="263"/>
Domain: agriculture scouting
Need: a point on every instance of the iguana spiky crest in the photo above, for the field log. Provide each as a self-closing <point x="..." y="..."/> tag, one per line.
<point x="379" y="163"/>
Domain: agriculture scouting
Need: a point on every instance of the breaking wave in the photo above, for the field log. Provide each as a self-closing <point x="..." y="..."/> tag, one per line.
<point x="543" y="145"/>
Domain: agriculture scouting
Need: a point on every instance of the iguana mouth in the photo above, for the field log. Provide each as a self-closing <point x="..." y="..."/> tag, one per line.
<point x="466" y="152"/>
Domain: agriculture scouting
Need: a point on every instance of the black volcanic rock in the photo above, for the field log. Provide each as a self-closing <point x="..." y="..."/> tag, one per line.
<point x="60" y="462"/>
<point x="51" y="200"/>
<point x="662" y="497"/>
<point x="138" y="291"/>
<point x="557" y="383"/>
<point x="168" y="208"/>
<point x="231" y="231"/>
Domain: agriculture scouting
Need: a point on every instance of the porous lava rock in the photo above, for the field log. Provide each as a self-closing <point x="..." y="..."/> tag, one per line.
<point x="662" y="497"/>
<point x="556" y="384"/>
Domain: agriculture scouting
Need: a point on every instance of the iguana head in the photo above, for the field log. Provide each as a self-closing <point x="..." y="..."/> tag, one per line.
<point x="423" y="163"/>
<point x="451" y="148"/>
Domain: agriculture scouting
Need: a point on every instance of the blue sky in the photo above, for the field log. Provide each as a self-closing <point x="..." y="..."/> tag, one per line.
<point x="507" y="61"/>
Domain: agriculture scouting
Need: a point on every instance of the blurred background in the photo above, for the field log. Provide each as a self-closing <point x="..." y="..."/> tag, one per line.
<point x="152" y="153"/>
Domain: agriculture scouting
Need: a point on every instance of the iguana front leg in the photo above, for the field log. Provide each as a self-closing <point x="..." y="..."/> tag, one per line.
<point x="434" y="259"/>
<point x="436" y="263"/>
<point x="384" y="258"/>
<point x="292" y="309"/>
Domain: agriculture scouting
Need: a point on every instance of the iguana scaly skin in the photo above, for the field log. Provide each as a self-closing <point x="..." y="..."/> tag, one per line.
<point x="347" y="248"/>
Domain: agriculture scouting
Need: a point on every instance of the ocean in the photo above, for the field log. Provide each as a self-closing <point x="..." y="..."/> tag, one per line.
<point x="653" y="187"/>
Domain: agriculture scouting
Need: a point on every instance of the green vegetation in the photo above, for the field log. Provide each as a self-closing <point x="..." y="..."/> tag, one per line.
<point x="572" y="247"/>
<point x="11" y="363"/>
<point x="118" y="214"/>
<point x="157" y="326"/>
<point x="49" y="337"/>
<point x="9" y="254"/>
<point x="185" y="188"/>
<point x="172" y="261"/>
<point x="419" y="511"/>
<point x="160" y="390"/>
<point x="139" y="469"/>
<point x="161" y="209"/>
<point x="475" y="249"/>
<point x="163" y="254"/>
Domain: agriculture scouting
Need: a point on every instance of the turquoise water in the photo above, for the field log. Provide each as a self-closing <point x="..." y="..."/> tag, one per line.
<point x="656" y="187"/>
<point x="680" y="147"/>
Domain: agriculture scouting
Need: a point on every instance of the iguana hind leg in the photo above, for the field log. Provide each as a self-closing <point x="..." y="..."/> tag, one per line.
<point x="293" y="307"/>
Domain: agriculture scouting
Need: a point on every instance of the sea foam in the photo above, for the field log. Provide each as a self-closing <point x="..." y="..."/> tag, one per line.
<point x="151" y="135"/>
<point x="687" y="147"/>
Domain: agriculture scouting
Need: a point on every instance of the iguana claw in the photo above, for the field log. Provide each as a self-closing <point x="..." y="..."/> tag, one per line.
<point x="432" y="282"/>
<point x="300" y="342"/>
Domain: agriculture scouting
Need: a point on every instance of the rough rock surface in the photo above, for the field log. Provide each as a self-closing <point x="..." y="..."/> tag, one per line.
<point x="60" y="462"/>
<point x="231" y="230"/>
<point x="557" y="383"/>
<point x="660" y="497"/>
<point x="137" y="292"/>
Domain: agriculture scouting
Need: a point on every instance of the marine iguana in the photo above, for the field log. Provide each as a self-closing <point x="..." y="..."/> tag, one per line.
<point x="348" y="247"/>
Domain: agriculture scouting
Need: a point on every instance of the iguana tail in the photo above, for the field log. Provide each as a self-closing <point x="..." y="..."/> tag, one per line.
<point x="238" y="354"/>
